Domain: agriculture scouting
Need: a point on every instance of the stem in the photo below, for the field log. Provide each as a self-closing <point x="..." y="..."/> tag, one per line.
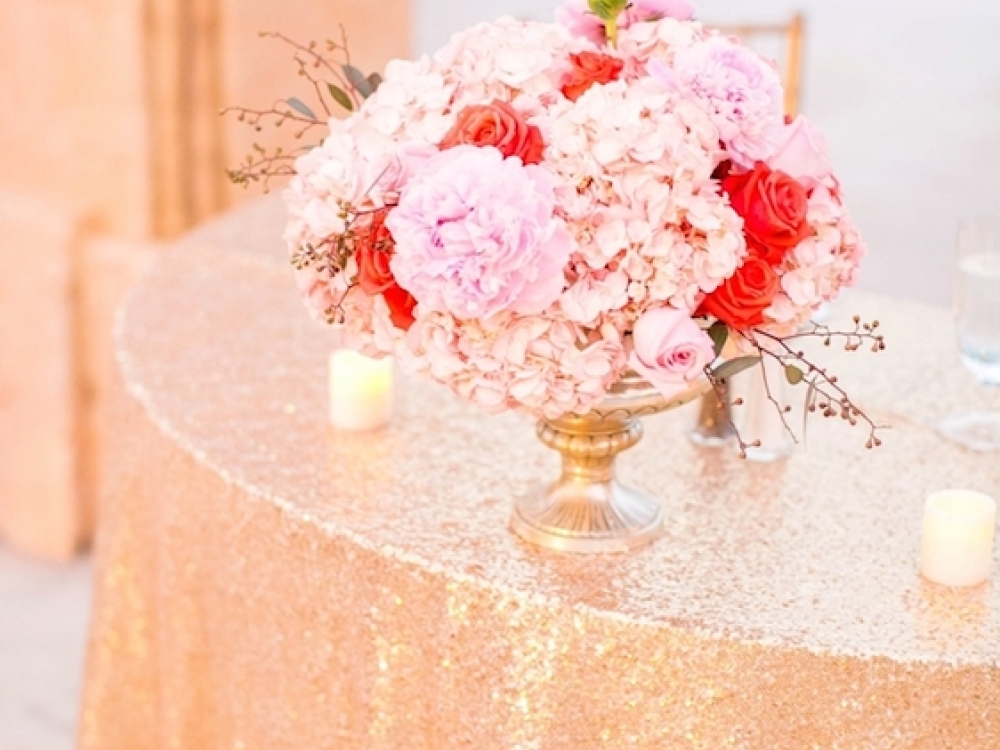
<point x="611" y="29"/>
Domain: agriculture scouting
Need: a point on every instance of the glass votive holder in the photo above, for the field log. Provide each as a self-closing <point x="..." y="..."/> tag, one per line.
<point x="761" y="395"/>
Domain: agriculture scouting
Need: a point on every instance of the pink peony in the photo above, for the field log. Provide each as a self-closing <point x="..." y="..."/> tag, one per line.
<point x="577" y="16"/>
<point x="670" y="350"/>
<point x="740" y="91"/>
<point x="803" y="154"/>
<point x="476" y="235"/>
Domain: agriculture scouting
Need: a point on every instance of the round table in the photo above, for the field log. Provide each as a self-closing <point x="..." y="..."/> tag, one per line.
<point x="266" y="582"/>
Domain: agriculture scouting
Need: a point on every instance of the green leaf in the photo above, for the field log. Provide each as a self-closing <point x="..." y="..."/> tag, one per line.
<point x="340" y="96"/>
<point x="733" y="367"/>
<point x="300" y="106"/>
<point x="607" y="10"/>
<point x="358" y="80"/>
<point x="719" y="333"/>
<point x="374" y="80"/>
<point x="794" y="375"/>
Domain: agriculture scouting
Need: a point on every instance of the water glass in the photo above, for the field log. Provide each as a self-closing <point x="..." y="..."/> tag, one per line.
<point x="977" y="317"/>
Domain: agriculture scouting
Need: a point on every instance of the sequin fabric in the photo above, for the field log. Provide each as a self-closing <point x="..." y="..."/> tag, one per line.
<point x="265" y="582"/>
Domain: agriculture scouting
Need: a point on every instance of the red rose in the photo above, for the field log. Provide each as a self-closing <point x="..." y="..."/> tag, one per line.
<point x="742" y="299"/>
<point x="773" y="207"/>
<point x="401" y="304"/>
<point x="373" y="251"/>
<point x="499" y="125"/>
<point x="590" y="68"/>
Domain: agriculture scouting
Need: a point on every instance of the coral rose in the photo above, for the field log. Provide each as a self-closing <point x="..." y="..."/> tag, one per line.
<point x="372" y="254"/>
<point x="670" y="350"/>
<point x="499" y="125"/>
<point x="590" y="68"/>
<point x="774" y="208"/>
<point x="373" y="249"/>
<point x="742" y="299"/>
<point x="477" y="235"/>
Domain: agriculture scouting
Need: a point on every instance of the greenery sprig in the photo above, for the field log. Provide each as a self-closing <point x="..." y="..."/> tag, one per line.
<point x="336" y="86"/>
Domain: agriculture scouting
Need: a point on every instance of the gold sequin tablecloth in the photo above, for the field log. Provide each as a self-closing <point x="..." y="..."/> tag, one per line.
<point x="265" y="583"/>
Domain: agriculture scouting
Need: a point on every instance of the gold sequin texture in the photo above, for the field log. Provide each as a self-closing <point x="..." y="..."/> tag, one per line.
<point x="266" y="583"/>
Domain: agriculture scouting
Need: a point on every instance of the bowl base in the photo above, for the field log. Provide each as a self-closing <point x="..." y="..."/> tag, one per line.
<point x="588" y="517"/>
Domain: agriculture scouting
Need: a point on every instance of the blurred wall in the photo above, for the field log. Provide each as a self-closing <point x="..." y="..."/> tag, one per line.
<point x="112" y="143"/>
<point x="908" y="92"/>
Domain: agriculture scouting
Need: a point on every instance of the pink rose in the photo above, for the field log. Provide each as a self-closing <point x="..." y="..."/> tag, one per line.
<point x="803" y="153"/>
<point x="577" y="16"/>
<point x="670" y="350"/>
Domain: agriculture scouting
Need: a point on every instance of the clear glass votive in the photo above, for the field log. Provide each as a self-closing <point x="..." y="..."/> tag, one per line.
<point x="977" y="318"/>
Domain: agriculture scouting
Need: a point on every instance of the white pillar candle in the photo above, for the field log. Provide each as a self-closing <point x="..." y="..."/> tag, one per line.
<point x="360" y="391"/>
<point x="957" y="545"/>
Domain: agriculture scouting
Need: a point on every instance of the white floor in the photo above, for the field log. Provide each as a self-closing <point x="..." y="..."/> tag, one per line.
<point x="43" y="617"/>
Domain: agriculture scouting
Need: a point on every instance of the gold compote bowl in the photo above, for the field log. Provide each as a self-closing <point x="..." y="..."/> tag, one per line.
<point x="588" y="509"/>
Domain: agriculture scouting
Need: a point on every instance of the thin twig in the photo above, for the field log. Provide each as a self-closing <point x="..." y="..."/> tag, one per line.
<point x="827" y="396"/>
<point x="722" y="394"/>
<point x="318" y="61"/>
<point x="782" y="408"/>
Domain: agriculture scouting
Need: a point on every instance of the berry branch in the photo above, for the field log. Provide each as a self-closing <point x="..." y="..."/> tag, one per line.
<point x="720" y="386"/>
<point x="825" y="394"/>
<point x="334" y="82"/>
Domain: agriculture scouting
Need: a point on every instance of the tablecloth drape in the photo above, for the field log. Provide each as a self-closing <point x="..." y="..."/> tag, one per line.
<point x="266" y="582"/>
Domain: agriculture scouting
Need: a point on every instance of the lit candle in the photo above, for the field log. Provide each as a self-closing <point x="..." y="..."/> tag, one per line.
<point x="958" y="537"/>
<point x="360" y="391"/>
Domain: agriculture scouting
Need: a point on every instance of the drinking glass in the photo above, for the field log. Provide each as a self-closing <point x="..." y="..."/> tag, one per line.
<point x="977" y="317"/>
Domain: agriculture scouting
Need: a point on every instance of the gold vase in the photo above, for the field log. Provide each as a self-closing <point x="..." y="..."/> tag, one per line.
<point x="588" y="510"/>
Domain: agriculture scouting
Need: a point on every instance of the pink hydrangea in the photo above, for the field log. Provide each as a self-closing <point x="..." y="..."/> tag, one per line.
<point x="663" y="40"/>
<point x="577" y="16"/>
<point x="820" y="267"/>
<point x="505" y="60"/>
<point x="538" y="364"/>
<point x="476" y="235"/>
<point x="741" y="92"/>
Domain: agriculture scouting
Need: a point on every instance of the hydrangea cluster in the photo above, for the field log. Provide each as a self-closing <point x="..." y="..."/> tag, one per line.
<point x="532" y="211"/>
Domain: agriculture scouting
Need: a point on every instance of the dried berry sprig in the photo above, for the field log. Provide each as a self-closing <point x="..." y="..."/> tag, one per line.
<point x="825" y="395"/>
<point x="862" y="334"/>
<point x="262" y="166"/>
<point x="783" y="409"/>
<point x="334" y="82"/>
<point x="720" y="386"/>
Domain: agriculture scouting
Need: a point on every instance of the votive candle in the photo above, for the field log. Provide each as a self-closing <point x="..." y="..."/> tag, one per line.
<point x="360" y="391"/>
<point x="957" y="547"/>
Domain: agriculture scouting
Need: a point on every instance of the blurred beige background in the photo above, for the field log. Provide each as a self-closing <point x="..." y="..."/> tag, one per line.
<point x="112" y="143"/>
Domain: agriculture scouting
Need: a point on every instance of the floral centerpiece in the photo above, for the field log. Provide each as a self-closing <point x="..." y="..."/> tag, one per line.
<point x="538" y="209"/>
